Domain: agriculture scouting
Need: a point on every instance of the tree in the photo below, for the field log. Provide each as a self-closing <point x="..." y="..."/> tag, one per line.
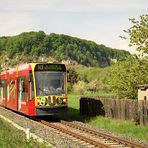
<point x="138" y="33"/>
<point x="127" y="75"/>
<point x="72" y="76"/>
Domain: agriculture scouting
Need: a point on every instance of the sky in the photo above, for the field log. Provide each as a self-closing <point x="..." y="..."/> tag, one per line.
<point x="101" y="21"/>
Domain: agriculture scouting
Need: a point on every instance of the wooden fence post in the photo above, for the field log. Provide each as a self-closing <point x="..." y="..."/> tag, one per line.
<point x="145" y="111"/>
<point x="140" y="108"/>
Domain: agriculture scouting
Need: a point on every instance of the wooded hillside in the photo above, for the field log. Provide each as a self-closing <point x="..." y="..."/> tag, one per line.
<point x="60" y="47"/>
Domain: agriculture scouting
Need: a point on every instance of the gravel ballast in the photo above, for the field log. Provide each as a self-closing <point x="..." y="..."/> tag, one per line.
<point x="50" y="135"/>
<point x="53" y="137"/>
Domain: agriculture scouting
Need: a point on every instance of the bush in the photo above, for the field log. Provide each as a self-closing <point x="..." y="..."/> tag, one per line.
<point x="80" y="87"/>
<point x="125" y="77"/>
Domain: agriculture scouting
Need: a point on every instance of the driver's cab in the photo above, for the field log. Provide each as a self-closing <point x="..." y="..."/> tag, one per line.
<point x="51" y="85"/>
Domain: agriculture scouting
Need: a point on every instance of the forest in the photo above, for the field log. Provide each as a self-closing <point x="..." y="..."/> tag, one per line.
<point x="60" y="47"/>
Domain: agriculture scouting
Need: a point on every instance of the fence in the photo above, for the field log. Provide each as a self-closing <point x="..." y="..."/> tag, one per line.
<point x="115" y="108"/>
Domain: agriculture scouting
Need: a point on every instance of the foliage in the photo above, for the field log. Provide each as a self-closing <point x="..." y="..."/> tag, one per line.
<point x="80" y="87"/>
<point x="72" y="77"/>
<point x="138" y="33"/>
<point x="95" y="78"/>
<point x="59" y="47"/>
<point x="125" y="77"/>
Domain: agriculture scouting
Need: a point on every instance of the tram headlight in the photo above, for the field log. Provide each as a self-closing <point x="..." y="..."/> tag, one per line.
<point x="64" y="100"/>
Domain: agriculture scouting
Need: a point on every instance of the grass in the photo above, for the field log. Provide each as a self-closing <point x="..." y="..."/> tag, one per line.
<point x="12" y="138"/>
<point x="73" y="101"/>
<point x="127" y="128"/>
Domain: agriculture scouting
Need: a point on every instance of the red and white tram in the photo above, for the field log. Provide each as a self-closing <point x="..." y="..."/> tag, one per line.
<point x="35" y="89"/>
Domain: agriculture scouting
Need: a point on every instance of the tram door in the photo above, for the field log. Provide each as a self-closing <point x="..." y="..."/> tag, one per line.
<point x="12" y="92"/>
<point x="22" y="94"/>
<point x="3" y="92"/>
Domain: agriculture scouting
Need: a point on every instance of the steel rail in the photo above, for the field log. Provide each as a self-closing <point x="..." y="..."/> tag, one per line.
<point x="115" y="139"/>
<point x="74" y="134"/>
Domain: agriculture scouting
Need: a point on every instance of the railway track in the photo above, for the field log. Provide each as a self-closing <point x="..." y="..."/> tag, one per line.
<point x="89" y="137"/>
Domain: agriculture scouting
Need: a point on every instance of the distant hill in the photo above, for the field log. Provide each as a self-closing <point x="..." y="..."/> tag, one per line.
<point x="59" y="47"/>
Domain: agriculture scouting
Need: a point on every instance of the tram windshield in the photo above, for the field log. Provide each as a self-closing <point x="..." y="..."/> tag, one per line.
<point x="50" y="83"/>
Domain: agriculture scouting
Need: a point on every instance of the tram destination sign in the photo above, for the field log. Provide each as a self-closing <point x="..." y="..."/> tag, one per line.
<point x="50" y="67"/>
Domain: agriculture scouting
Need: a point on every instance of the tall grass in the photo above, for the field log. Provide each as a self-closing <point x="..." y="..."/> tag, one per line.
<point x="127" y="128"/>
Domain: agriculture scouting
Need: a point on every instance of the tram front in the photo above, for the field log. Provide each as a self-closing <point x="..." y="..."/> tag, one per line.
<point x="50" y="89"/>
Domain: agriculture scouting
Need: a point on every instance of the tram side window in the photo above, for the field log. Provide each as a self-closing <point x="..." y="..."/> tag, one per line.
<point x="2" y="89"/>
<point x="22" y="88"/>
<point x="31" y="88"/>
